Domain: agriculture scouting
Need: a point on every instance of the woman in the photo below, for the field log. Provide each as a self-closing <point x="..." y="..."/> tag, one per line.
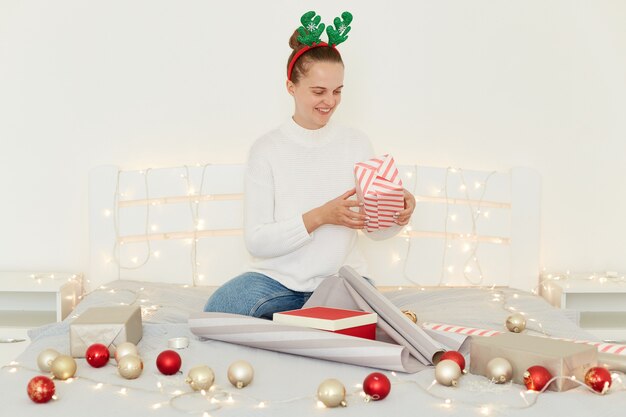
<point x="300" y="220"/>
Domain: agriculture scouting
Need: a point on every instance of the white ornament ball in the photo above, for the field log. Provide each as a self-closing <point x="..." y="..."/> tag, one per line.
<point x="45" y="358"/>
<point x="130" y="366"/>
<point x="499" y="370"/>
<point x="448" y="372"/>
<point x="240" y="373"/>
<point x="516" y="323"/>
<point x="200" y="378"/>
<point x="332" y="393"/>
<point x="123" y="349"/>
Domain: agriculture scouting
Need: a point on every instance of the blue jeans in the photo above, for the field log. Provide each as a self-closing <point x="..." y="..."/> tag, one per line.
<point x="256" y="295"/>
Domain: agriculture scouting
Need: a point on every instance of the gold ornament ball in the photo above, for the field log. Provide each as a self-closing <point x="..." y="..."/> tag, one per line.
<point x="448" y="372"/>
<point x="130" y="366"/>
<point x="45" y="358"/>
<point x="240" y="373"/>
<point x="499" y="370"/>
<point x="411" y="315"/>
<point x="332" y="393"/>
<point x="200" y="378"/>
<point x="123" y="349"/>
<point x="516" y="323"/>
<point x="63" y="367"/>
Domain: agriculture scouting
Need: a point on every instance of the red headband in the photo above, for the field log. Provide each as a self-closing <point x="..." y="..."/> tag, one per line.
<point x="298" y="54"/>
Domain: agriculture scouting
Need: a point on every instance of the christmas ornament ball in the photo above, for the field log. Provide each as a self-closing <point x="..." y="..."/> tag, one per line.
<point x="376" y="386"/>
<point x="240" y="373"/>
<point x="200" y="377"/>
<point x="332" y="393"/>
<point x="45" y="358"/>
<point x="516" y="323"/>
<point x="63" y="367"/>
<point x="536" y="378"/>
<point x="40" y="389"/>
<point x="130" y="366"/>
<point x="410" y="315"/>
<point x="448" y="372"/>
<point x="123" y="349"/>
<point x="168" y="362"/>
<point x="455" y="356"/>
<point x="97" y="355"/>
<point x="599" y="379"/>
<point x="499" y="370"/>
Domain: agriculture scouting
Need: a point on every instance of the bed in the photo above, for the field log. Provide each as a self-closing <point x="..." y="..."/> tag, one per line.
<point x="164" y="239"/>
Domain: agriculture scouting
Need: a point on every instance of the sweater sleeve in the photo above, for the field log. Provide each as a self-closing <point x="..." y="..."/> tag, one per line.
<point x="265" y="236"/>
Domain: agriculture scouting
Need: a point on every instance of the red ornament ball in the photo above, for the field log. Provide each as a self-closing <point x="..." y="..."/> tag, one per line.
<point x="599" y="379"/>
<point x="536" y="378"/>
<point x="40" y="389"/>
<point x="97" y="355"/>
<point x="168" y="362"/>
<point x="455" y="356"/>
<point x="377" y="386"/>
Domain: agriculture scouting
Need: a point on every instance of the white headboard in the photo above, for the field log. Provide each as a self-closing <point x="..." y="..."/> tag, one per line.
<point x="184" y="225"/>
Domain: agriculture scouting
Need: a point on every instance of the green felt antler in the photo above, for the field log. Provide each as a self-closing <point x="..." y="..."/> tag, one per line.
<point x="339" y="33"/>
<point x="311" y="28"/>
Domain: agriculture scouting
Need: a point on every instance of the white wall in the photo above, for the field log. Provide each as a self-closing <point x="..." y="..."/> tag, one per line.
<point x="469" y="83"/>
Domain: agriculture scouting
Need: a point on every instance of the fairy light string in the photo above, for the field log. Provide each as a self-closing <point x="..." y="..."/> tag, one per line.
<point x="470" y="264"/>
<point x="217" y="397"/>
<point x="194" y="204"/>
<point x="117" y="243"/>
<point x="471" y="240"/>
<point x="474" y="215"/>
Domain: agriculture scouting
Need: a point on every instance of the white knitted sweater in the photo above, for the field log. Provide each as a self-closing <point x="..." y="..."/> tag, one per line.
<point x="290" y="171"/>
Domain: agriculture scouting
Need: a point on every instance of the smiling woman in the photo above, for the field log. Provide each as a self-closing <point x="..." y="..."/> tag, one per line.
<point x="300" y="221"/>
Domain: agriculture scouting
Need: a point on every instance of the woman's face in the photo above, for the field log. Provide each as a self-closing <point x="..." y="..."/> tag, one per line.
<point x="317" y="95"/>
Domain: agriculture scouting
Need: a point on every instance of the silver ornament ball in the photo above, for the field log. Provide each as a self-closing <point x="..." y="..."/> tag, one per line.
<point x="130" y="366"/>
<point x="45" y="358"/>
<point x="332" y="393"/>
<point x="200" y="378"/>
<point x="63" y="367"/>
<point x="499" y="370"/>
<point x="516" y="323"/>
<point x="126" y="348"/>
<point x="410" y="315"/>
<point x="240" y="373"/>
<point x="448" y="372"/>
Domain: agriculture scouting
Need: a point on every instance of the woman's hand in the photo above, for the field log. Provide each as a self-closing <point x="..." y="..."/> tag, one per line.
<point x="402" y="217"/>
<point x="337" y="211"/>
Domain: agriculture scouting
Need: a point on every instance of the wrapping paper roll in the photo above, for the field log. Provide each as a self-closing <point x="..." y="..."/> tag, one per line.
<point x="410" y="349"/>
<point x="265" y="334"/>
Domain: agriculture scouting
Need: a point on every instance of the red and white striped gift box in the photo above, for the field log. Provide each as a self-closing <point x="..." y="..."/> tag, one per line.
<point x="379" y="188"/>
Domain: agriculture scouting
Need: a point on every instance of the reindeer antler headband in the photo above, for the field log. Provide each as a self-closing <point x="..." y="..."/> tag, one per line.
<point x="312" y="29"/>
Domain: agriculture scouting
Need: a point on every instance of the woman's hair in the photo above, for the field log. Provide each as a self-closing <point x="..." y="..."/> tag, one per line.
<point x="319" y="54"/>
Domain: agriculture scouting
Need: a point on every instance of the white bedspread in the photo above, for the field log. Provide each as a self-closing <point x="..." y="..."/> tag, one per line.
<point x="283" y="383"/>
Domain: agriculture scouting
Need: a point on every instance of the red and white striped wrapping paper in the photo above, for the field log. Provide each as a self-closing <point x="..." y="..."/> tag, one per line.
<point x="613" y="348"/>
<point x="379" y="188"/>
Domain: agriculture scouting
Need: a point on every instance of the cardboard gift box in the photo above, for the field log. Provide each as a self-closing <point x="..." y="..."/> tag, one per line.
<point x="107" y="325"/>
<point x="349" y="322"/>
<point x="561" y="358"/>
<point x="379" y="188"/>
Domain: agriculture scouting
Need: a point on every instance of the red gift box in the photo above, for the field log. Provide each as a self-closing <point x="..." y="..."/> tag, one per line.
<point x="379" y="188"/>
<point x="349" y="322"/>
